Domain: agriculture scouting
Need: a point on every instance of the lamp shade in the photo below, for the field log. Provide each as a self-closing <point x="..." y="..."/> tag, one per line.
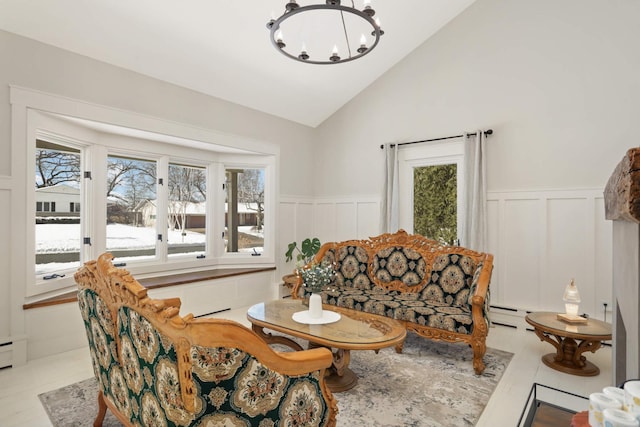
<point x="571" y="294"/>
<point x="571" y="299"/>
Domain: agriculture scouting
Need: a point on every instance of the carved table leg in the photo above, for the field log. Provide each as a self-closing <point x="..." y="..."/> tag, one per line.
<point x="568" y="357"/>
<point x="338" y="376"/>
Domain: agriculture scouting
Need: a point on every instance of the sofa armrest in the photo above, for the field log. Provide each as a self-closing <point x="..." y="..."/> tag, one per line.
<point x="483" y="280"/>
<point x="480" y="298"/>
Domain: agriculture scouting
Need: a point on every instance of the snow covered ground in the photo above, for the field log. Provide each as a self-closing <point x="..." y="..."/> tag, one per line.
<point x="66" y="237"/>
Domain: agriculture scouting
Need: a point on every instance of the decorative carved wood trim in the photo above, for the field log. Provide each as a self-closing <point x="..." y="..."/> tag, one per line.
<point x="622" y="192"/>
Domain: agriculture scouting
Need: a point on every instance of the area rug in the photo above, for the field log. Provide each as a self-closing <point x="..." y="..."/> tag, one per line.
<point x="430" y="384"/>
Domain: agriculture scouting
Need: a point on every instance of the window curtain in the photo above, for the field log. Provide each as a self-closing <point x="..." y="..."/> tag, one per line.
<point x="474" y="233"/>
<point x="389" y="206"/>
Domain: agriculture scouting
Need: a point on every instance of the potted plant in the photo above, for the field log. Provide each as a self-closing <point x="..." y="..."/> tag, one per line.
<point x="308" y="248"/>
<point x="303" y="254"/>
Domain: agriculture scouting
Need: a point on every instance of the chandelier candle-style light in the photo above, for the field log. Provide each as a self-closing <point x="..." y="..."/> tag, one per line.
<point x="325" y="33"/>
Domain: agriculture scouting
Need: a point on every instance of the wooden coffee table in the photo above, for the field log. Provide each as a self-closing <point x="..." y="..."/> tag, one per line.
<point x="570" y="341"/>
<point x="355" y="330"/>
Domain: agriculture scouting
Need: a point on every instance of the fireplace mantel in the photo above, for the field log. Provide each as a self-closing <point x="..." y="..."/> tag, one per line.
<point x="622" y="193"/>
<point x="622" y="206"/>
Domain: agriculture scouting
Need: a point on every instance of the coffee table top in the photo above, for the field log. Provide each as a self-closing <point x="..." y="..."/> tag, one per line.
<point x="548" y="321"/>
<point x="355" y="330"/>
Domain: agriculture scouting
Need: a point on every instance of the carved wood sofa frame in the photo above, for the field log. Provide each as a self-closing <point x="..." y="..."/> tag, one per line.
<point x="153" y="365"/>
<point x="439" y="292"/>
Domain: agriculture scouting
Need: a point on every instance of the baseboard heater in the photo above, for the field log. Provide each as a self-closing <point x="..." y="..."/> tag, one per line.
<point x="213" y="312"/>
<point x="506" y="325"/>
<point x="503" y="308"/>
<point x="6" y="350"/>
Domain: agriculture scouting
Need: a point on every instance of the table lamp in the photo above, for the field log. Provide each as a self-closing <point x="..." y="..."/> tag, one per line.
<point x="571" y="299"/>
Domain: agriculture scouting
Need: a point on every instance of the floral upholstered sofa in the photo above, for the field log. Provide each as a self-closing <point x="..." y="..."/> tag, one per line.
<point x="155" y="367"/>
<point x="439" y="292"/>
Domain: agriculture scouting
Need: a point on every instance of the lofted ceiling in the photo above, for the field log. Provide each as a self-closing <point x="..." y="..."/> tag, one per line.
<point x="222" y="48"/>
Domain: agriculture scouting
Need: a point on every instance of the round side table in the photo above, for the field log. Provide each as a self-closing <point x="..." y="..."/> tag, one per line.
<point x="570" y="341"/>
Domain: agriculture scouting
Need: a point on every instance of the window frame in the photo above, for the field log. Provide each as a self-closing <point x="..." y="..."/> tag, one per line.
<point x="268" y="164"/>
<point x="217" y="148"/>
<point x="43" y="129"/>
<point x="429" y="154"/>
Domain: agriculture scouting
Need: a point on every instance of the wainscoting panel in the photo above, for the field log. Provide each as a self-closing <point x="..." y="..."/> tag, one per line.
<point x="603" y="263"/>
<point x="323" y="223"/>
<point x="569" y="253"/>
<point x="345" y="220"/>
<point x="328" y="219"/>
<point x="202" y="298"/>
<point x="5" y="259"/>
<point x="368" y="219"/>
<point x="286" y="232"/>
<point x="540" y="240"/>
<point x="543" y="239"/>
<point x="331" y="219"/>
<point x="303" y="224"/>
<point x="519" y="259"/>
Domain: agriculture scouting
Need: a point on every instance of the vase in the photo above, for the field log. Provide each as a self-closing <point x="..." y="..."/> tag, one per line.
<point x="315" y="306"/>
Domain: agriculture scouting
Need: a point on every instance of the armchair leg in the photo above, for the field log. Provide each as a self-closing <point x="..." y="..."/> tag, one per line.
<point x="102" y="410"/>
<point x="479" y="349"/>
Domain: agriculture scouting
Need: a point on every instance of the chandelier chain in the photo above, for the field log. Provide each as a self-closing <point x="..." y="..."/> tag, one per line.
<point x="346" y="35"/>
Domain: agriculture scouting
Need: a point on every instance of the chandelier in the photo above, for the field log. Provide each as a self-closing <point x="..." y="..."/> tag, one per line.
<point x="345" y="30"/>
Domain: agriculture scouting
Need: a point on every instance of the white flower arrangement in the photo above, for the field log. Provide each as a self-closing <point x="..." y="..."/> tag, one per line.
<point x="316" y="276"/>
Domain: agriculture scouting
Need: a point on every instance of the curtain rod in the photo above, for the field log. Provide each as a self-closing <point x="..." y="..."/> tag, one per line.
<point x="486" y="133"/>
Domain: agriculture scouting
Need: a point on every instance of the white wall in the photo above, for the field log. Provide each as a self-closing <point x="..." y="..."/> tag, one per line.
<point x="557" y="82"/>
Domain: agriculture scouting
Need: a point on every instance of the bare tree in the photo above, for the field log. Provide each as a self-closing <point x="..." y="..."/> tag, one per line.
<point x="186" y="185"/>
<point x="129" y="181"/>
<point x="56" y="167"/>
<point x="126" y="172"/>
<point x="251" y="192"/>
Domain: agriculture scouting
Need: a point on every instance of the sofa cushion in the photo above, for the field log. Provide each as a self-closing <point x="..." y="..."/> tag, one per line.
<point x="351" y="265"/>
<point x="397" y="263"/>
<point x="450" y="280"/>
<point x="402" y="306"/>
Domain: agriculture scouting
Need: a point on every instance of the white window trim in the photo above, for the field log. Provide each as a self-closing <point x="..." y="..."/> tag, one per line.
<point x="26" y="101"/>
<point x="428" y="154"/>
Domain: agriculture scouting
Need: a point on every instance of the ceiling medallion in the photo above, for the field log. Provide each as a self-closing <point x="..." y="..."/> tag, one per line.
<point x="349" y="22"/>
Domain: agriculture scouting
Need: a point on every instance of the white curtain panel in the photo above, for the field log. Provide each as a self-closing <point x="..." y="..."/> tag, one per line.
<point x="474" y="231"/>
<point x="389" y="216"/>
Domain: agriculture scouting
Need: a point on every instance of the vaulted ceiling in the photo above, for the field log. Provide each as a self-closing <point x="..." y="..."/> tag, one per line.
<point x="222" y="48"/>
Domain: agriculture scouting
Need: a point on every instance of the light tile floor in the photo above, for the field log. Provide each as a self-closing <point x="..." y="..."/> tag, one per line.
<point x="20" y="386"/>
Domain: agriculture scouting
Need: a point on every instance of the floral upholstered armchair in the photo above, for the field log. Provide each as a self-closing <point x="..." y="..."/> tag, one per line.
<point x="155" y="367"/>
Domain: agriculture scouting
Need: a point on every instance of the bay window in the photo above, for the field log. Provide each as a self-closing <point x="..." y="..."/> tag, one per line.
<point x="158" y="205"/>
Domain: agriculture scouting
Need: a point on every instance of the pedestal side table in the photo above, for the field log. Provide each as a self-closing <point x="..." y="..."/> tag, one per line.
<point x="571" y="340"/>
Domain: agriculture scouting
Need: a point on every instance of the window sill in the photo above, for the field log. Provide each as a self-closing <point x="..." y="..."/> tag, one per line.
<point x="159" y="282"/>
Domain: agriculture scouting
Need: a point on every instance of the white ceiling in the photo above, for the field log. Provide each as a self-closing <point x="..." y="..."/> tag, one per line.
<point x="222" y="48"/>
